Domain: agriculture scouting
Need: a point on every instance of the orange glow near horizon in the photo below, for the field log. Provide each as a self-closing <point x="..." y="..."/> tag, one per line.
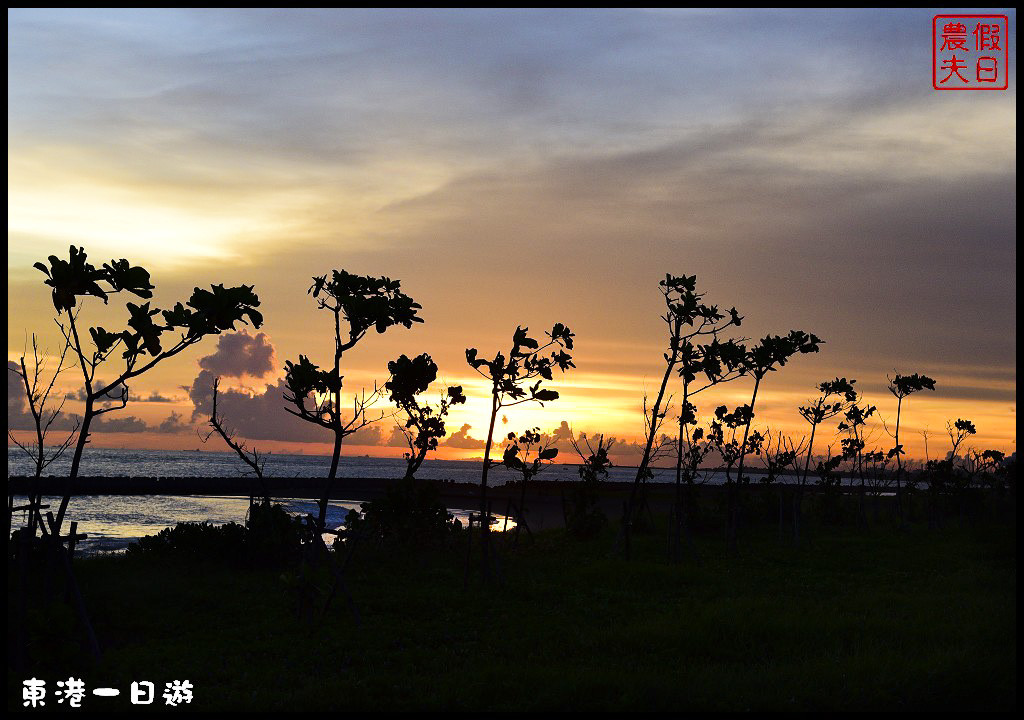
<point x="614" y="410"/>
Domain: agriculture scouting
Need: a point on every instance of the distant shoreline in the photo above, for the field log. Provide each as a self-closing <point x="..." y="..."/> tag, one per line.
<point x="310" y="487"/>
<point x="398" y="461"/>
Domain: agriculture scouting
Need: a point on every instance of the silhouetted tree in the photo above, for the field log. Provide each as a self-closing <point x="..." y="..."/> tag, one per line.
<point x="902" y="386"/>
<point x="585" y="519"/>
<point x="829" y="481"/>
<point x="142" y="342"/>
<point x="687" y="319"/>
<point x="362" y="303"/>
<point x="411" y="512"/>
<point x="37" y="393"/>
<point x="854" y="423"/>
<point x="834" y="396"/>
<point x="527" y="454"/>
<point x="777" y="459"/>
<point x="718" y="362"/>
<point x="959" y="431"/>
<point x="424" y="425"/>
<point x="953" y="476"/>
<point x="688" y="464"/>
<point x="767" y="356"/>
<point x="509" y="377"/>
<point x="254" y="459"/>
<point x="992" y="465"/>
<point x="722" y="436"/>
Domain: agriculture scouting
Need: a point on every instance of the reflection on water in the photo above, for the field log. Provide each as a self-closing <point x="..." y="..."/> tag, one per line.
<point x="113" y="521"/>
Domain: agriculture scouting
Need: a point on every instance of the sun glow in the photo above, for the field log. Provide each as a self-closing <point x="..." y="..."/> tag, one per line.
<point x="112" y="223"/>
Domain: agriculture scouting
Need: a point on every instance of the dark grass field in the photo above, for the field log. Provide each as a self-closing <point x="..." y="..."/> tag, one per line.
<point x="876" y="620"/>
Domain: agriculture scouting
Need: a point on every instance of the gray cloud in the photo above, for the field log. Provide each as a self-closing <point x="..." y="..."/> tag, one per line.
<point x="258" y="415"/>
<point x="173" y="425"/>
<point x="240" y="354"/>
<point x="119" y="424"/>
<point x="262" y="416"/>
<point x="156" y="397"/>
<point x="325" y="93"/>
<point x="396" y="438"/>
<point x="109" y="399"/>
<point x="19" y="418"/>
<point x="368" y="435"/>
<point x="872" y="251"/>
<point x="18" y="415"/>
<point x="462" y="440"/>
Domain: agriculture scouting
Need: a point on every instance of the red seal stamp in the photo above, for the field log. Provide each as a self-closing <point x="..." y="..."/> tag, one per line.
<point x="970" y="52"/>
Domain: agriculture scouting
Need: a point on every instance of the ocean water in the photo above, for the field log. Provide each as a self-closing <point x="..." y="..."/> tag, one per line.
<point x="170" y="463"/>
<point x="113" y="521"/>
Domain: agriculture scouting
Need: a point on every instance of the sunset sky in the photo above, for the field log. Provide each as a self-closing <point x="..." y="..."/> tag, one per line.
<point x="523" y="168"/>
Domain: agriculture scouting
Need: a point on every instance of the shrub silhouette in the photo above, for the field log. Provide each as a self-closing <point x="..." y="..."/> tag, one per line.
<point x="409" y="512"/>
<point x="271" y="537"/>
<point x="274" y="537"/>
<point x="195" y="541"/>
<point x="829" y="481"/>
<point x="962" y="475"/>
<point x="777" y="459"/>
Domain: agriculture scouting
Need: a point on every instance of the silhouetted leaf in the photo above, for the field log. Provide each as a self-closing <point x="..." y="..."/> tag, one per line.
<point x="103" y="339"/>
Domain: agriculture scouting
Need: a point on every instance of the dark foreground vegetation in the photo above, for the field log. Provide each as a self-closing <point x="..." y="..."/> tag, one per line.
<point x="875" y="618"/>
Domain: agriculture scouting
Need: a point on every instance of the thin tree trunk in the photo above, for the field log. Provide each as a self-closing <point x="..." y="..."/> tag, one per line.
<point x="680" y="511"/>
<point x="630" y="509"/>
<point x="76" y="461"/>
<point x="484" y="515"/>
<point x="521" y="510"/>
<point x="734" y="514"/>
<point x="83" y="433"/>
<point x="329" y="483"/>
<point x="899" y="465"/>
<point x="335" y="422"/>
